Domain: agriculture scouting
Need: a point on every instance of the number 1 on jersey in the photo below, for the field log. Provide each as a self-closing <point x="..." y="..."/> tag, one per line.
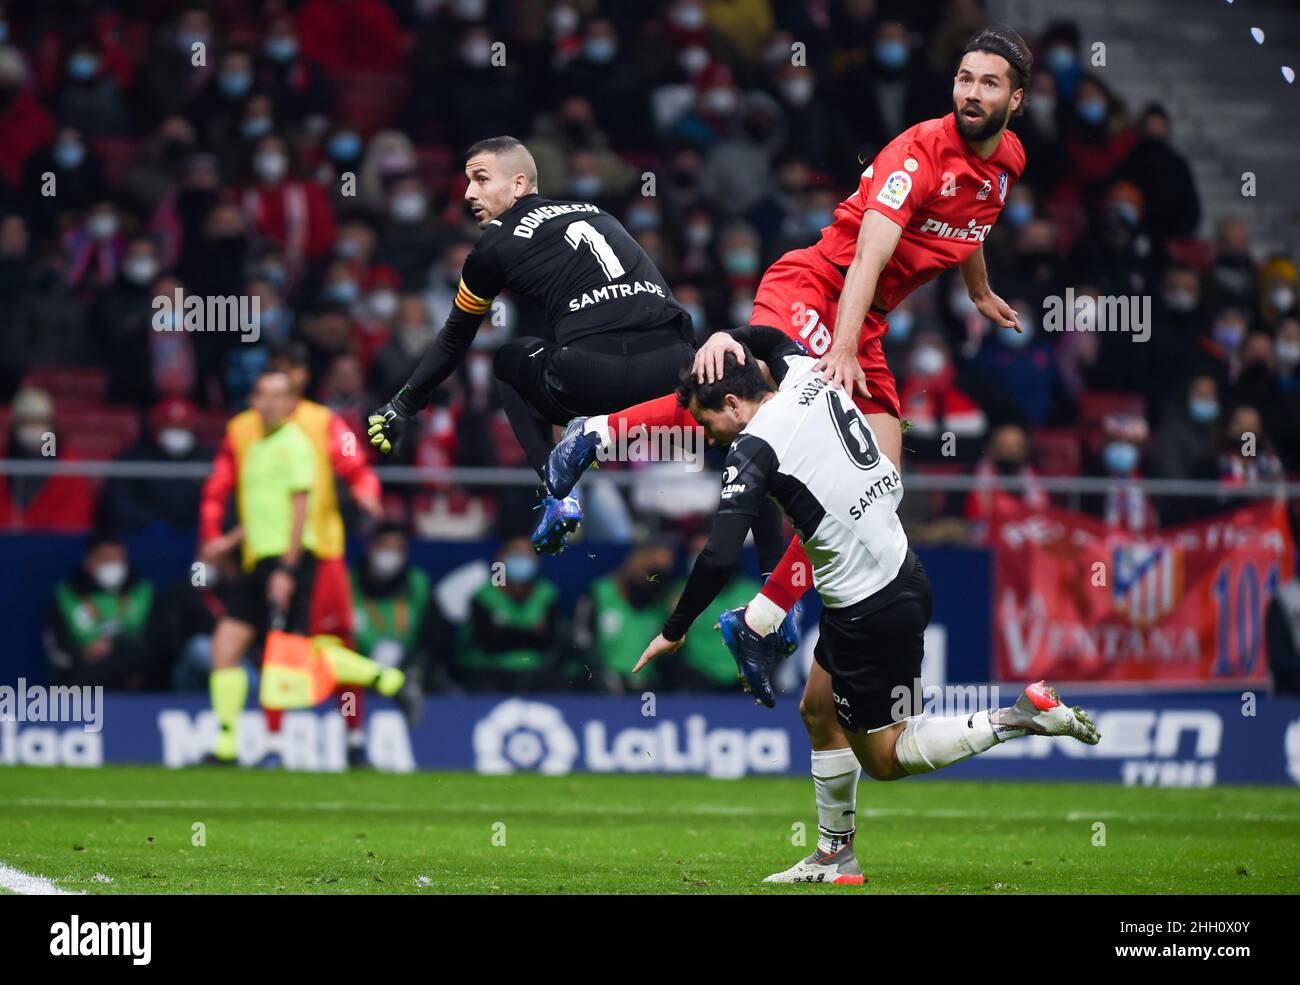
<point x="583" y="231"/>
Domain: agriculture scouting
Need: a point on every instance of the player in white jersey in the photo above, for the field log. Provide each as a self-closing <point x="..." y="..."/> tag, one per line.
<point x="811" y="450"/>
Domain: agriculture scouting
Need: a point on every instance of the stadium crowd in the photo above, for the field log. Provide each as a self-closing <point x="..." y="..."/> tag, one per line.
<point x="310" y="158"/>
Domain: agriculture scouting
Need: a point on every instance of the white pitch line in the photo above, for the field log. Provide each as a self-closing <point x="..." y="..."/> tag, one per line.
<point x="701" y="810"/>
<point x="23" y="884"/>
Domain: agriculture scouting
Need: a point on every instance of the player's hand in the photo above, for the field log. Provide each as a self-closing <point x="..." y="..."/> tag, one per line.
<point x="997" y="311"/>
<point x="657" y="648"/>
<point x="711" y="357"/>
<point x="840" y="367"/>
<point x="279" y="589"/>
<point x="213" y="550"/>
<point x="385" y="426"/>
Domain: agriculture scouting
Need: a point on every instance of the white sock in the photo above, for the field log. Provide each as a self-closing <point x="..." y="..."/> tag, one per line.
<point x="764" y="616"/>
<point x="835" y="779"/>
<point x="930" y="743"/>
<point x="599" y="426"/>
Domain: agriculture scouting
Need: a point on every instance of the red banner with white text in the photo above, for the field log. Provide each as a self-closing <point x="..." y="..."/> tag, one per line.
<point x="1074" y="599"/>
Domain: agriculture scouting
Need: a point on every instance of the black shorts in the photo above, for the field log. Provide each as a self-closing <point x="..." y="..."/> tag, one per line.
<point x="874" y="647"/>
<point x="597" y="374"/>
<point x="248" y="603"/>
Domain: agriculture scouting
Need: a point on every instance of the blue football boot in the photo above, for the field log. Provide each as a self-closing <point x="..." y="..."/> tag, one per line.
<point x="560" y="517"/>
<point x="789" y="630"/>
<point x="756" y="656"/>
<point x="573" y="455"/>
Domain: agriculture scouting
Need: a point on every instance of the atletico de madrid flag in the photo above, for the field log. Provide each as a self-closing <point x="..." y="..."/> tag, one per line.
<point x="1076" y="600"/>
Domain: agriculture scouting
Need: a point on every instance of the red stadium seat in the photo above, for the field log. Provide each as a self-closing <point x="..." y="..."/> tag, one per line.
<point x="1056" y="451"/>
<point x="210" y="427"/>
<point x="370" y="100"/>
<point x="70" y="386"/>
<point x="93" y="431"/>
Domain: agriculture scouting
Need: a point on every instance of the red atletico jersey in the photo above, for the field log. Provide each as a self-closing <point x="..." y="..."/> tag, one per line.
<point x="929" y="181"/>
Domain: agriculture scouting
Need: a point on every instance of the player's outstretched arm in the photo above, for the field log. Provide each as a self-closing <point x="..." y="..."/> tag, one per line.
<point x="992" y="307"/>
<point x="877" y="238"/>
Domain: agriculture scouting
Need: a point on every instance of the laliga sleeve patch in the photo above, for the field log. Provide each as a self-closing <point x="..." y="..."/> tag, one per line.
<point x="895" y="189"/>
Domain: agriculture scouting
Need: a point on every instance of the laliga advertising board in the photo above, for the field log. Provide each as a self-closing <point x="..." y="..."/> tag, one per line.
<point x="1074" y="599"/>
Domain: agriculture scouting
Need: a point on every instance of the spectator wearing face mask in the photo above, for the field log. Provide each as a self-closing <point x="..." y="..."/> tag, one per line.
<point x="121" y="313"/>
<point x="1277" y="296"/>
<point x="95" y="626"/>
<point x="509" y="641"/>
<point x="936" y="405"/>
<point x="410" y="236"/>
<point x="391" y="598"/>
<point x="1007" y="457"/>
<point x="298" y="85"/>
<point x="1180" y="320"/>
<point x="78" y="177"/>
<point x="1220" y="348"/>
<point x="89" y="97"/>
<point x="293" y="213"/>
<point x="609" y="619"/>
<point x="41" y="502"/>
<point x="897" y="89"/>
<point x="1097" y="139"/>
<point x="601" y="73"/>
<point x="1234" y="276"/>
<point x="144" y="503"/>
<point x="1184" y="446"/>
<point x="94" y="249"/>
<point x="1021" y="363"/>
<point x="1124" y="505"/>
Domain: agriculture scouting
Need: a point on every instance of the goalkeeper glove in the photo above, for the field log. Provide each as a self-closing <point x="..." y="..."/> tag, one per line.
<point x="386" y="425"/>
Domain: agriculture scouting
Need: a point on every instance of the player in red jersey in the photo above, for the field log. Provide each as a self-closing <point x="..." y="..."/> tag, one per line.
<point x="924" y="205"/>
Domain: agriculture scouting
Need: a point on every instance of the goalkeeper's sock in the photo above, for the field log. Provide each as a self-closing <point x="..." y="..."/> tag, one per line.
<point x="229" y="689"/>
<point x="930" y="743"/>
<point x="351" y="667"/>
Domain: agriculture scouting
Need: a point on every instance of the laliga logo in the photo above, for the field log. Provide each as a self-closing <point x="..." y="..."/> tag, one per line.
<point x="526" y="735"/>
<point x="1291" y="746"/>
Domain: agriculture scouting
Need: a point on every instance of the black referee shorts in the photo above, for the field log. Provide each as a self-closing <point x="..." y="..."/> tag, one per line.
<point x="248" y="603"/>
<point x="874" y="647"/>
<point x="598" y="374"/>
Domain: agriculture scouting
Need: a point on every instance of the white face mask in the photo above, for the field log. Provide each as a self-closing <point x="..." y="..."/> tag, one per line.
<point x="101" y="225"/>
<point x="928" y="361"/>
<point x="271" y="167"/>
<point x="385" y="564"/>
<point x="1288" y="353"/>
<point x="1282" y="297"/>
<point x="110" y="576"/>
<point x="176" y="441"/>
<point x="30" y="437"/>
<point x="383" y="304"/>
<point x="408" y="207"/>
<point x="140" y="270"/>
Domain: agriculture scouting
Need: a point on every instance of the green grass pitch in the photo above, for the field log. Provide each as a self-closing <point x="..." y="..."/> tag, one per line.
<point x="134" y="830"/>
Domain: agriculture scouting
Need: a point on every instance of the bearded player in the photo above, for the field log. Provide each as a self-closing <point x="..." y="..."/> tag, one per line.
<point x="924" y="205"/>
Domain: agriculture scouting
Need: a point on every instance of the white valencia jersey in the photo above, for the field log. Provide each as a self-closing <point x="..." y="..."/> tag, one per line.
<point x="811" y="450"/>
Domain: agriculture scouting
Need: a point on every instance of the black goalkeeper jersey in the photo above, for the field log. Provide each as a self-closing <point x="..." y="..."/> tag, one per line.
<point x="576" y="261"/>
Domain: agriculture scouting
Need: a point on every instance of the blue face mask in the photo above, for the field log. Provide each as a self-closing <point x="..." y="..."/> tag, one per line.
<point x="280" y="49"/>
<point x="255" y="128"/>
<point x="69" y="155"/>
<point x="343" y="291"/>
<point x="1203" y="410"/>
<point x="819" y="219"/>
<point x="740" y="262"/>
<point x="1120" y="457"/>
<point x="892" y="54"/>
<point x="697" y="317"/>
<point x="235" y="85"/>
<point x="83" y="66"/>
<point x="1017" y="340"/>
<point x="900" y="325"/>
<point x="600" y="50"/>
<point x="1091" y="111"/>
<point x="642" y="219"/>
<point x="1019" y="212"/>
<point x="1059" y="59"/>
<point x="520" y="568"/>
<point x="585" y="185"/>
<point x="344" y="146"/>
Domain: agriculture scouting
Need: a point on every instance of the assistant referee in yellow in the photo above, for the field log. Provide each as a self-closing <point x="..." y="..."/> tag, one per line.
<point x="276" y="475"/>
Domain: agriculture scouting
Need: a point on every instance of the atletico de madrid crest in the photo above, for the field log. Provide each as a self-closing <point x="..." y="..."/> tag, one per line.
<point x="1002" y="187"/>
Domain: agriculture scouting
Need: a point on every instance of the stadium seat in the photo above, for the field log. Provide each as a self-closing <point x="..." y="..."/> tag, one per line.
<point x="1056" y="451"/>
<point x="99" y="432"/>
<point x="70" y="386"/>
